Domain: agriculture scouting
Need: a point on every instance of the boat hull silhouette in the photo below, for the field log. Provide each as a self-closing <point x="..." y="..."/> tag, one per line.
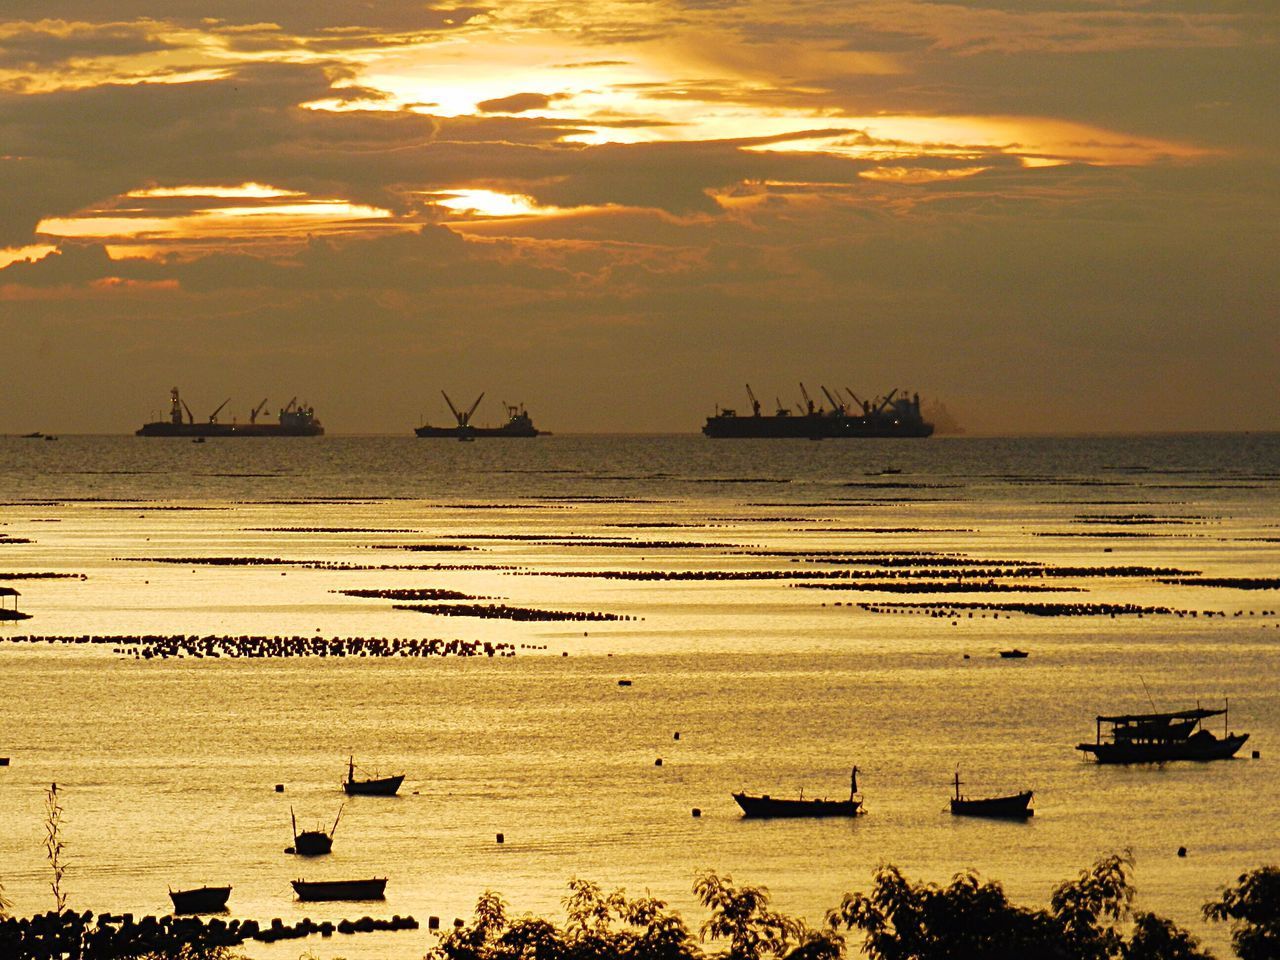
<point x="201" y="900"/>
<point x="1196" y="747"/>
<point x="319" y="890"/>
<point x="767" y="807"/>
<point x="1015" y="807"/>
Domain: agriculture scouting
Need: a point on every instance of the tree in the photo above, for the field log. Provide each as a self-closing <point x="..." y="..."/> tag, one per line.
<point x="972" y="918"/>
<point x="742" y="916"/>
<point x="968" y="918"/>
<point x="1155" y="938"/>
<point x="1252" y="907"/>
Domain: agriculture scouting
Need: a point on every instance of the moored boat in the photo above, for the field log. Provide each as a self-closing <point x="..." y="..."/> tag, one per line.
<point x="765" y="806"/>
<point x="372" y="786"/>
<point x="295" y="420"/>
<point x="200" y="900"/>
<point x="1016" y="806"/>
<point x="1161" y="737"/>
<point x="312" y="843"/>
<point x="884" y="417"/>
<point x="313" y="890"/>
<point x="517" y="424"/>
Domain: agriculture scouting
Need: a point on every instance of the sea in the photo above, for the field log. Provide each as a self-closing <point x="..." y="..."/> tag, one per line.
<point x="630" y="629"/>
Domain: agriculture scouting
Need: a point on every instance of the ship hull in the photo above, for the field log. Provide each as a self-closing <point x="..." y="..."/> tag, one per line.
<point x="203" y="900"/>
<point x="164" y="428"/>
<point x="767" y="807"/>
<point x="311" y="843"/>
<point x="383" y="787"/>
<point x="1016" y="807"/>
<point x="458" y="433"/>
<point x="1193" y="748"/>
<point x="320" y="890"/>
<point x="813" y="428"/>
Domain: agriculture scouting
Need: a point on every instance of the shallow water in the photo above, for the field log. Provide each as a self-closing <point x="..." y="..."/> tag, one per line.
<point x="166" y="768"/>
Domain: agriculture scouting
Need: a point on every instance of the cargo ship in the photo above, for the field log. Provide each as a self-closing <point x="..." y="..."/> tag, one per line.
<point x="887" y="416"/>
<point x="295" y="420"/>
<point x="518" y="423"/>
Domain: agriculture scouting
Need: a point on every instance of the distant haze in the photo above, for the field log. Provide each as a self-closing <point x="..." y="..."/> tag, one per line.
<point x="1049" y="215"/>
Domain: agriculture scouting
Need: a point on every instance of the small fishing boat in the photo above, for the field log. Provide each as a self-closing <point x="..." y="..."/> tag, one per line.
<point x="311" y="890"/>
<point x="1014" y="807"/>
<point x="1014" y="654"/>
<point x="200" y="900"/>
<point x="312" y="843"/>
<point x="765" y="807"/>
<point x="371" y="787"/>
<point x="1160" y="737"/>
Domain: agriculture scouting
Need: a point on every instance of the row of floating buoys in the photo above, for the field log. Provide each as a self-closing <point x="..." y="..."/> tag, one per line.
<point x="501" y="611"/>
<point x="308" y="564"/>
<point x="936" y="586"/>
<point x="947" y="610"/>
<point x="410" y="594"/>
<point x="152" y="646"/>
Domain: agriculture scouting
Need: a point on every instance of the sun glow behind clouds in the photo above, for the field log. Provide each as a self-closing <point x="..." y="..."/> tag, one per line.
<point x="276" y="219"/>
<point x="249" y="190"/>
<point x="491" y="203"/>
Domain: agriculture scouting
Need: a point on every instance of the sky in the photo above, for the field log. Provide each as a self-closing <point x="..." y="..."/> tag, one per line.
<point x="1048" y="215"/>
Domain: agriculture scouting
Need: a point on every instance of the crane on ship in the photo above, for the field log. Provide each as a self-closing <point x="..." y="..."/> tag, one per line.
<point x="755" y="404"/>
<point x="213" y="417"/>
<point x="253" y="414"/>
<point x="810" y="409"/>
<point x="464" y="419"/>
<point x="837" y="407"/>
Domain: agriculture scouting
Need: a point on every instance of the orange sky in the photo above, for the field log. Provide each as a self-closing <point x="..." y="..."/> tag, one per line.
<point x="1054" y="216"/>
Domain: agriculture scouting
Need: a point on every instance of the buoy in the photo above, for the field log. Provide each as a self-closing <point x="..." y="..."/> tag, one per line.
<point x="624" y="683"/>
<point x="501" y="838"/>
<point x="966" y="656"/>
<point x="4" y="761"/>
<point x="1257" y="755"/>
<point x="433" y="923"/>
<point x="658" y="762"/>
<point x="677" y="736"/>
<point x="279" y="788"/>
<point x="1182" y="851"/>
<point x="697" y="812"/>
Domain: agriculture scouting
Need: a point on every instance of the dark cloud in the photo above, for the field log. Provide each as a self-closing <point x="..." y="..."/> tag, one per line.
<point x="518" y="103"/>
<point x="295" y="16"/>
<point x="43" y="46"/>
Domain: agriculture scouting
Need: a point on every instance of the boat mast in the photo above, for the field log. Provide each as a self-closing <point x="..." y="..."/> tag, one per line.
<point x="853" y="783"/>
<point x="335" y="822"/>
<point x="294" y="818"/>
<point x="957" y="783"/>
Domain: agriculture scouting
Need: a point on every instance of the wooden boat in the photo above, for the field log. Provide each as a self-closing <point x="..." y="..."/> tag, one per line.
<point x="312" y="843"/>
<point x="372" y="787"/>
<point x="764" y="807"/>
<point x="1160" y="737"/>
<point x="310" y="890"/>
<point x="201" y="900"/>
<point x="1014" y="654"/>
<point x="1014" y="807"/>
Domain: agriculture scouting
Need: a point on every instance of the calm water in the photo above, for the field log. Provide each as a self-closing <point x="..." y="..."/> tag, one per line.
<point x="167" y="767"/>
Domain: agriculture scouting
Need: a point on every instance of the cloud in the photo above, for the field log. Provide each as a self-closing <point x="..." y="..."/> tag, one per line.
<point x="47" y="44"/>
<point x="519" y="102"/>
